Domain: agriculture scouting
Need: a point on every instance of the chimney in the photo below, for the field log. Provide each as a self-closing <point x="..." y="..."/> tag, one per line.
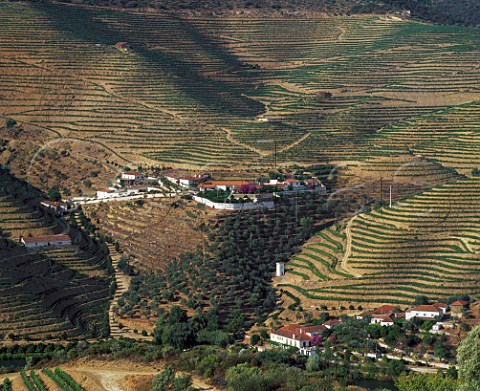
<point x="293" y="336"/>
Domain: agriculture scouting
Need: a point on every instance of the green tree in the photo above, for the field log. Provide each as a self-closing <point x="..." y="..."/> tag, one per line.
<point x="54" y="194"/>
<point x="182" y="383"/>
<point x="11" y="123"/>
<point x="419" y="300"/>
<point x="313" y="363"/>
<point x="243" y="377"/>
<point x="468" y="356"/>
<point x="163" y="380"/>
<point x="255" y="338"/>
<point x="418" y="382"/>
<point x="177" y="315"/>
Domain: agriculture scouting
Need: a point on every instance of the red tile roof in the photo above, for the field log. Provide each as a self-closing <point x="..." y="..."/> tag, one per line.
<point x="293" y="331"/>
<point x="383" y="318"/>
<point x="332" y="322"/>
<point x="46" y="238"/>
<point x="313" y="329"/>
<point x="426" y="308"/>
<point x="459" y="303"/>
<point x="385" y="309"/>
<point x="387" y="319"/>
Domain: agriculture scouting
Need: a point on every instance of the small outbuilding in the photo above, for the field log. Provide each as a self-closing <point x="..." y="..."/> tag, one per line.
<point x="58" y="207"/>
<point x="458" y="308"/>
<point x="132" y="176"/>
<point x="123" y="46"/>
<point x="46" y="240"/>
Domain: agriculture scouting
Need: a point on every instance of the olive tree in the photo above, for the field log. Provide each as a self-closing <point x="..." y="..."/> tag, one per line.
<point x="468" y="356"/>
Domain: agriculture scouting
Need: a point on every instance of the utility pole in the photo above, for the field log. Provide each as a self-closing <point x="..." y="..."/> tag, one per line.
<point x="381" y="192"/>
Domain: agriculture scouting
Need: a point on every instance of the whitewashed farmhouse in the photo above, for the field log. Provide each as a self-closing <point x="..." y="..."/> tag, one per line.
<point x="46" y="240"/>
<point x="427" y="311"/>
<point x="132" y="176"/>
<point x="298" y="336"/>
<point x="106" y="193"/>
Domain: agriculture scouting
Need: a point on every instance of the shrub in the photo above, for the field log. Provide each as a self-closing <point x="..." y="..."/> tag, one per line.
<point x="254" y="339"/>
<point x="11" y="123"/>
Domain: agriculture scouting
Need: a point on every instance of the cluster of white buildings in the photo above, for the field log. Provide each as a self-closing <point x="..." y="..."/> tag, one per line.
<point x="387" y="314"/>
<point x="129" y="182"/>
<point x="252" y="195"/>
<point x="287" y="185"/>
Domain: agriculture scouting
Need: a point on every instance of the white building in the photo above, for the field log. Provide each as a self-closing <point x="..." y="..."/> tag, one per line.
<point x="186" y="181"/>
<point x="382" y="320"/>
<point x="134" y="190"/>
<point x="132" y="176"/>
<point x="292" y="184"/>
<point x="224" y="185"/>
<point x="309" y="185"/>
<point x="106" y="193"/>
<point x="329" y="324"/>
<point x="46" y="240"/>
<point x="427" y="311"/>
<point x="57" y="207"/>
<point x="280" y="269"/>
<point x="297" y="336"/>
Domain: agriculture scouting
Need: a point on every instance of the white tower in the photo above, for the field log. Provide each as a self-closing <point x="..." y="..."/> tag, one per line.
<point x="280" y="269"/>
<point x="390" y="204"/>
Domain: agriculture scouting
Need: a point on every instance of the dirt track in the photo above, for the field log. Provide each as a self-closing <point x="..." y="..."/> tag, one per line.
<point x="348" y="250"/>
<point x="101" y="375"/>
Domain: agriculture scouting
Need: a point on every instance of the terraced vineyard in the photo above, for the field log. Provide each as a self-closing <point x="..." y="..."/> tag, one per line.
<point x="57" y="292"/>
<point x="394" y="101"/>
<point x="424" y="245"/>
<point x="155" y="232"/>
<point x="206" y="91"/>
<point x="46" y="379"/>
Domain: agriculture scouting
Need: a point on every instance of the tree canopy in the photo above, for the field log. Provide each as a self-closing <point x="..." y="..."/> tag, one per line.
<point x="468" y="356"/>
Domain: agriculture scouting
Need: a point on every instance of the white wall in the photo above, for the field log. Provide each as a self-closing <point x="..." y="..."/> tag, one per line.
<point x="420" y="314"/>
<point x="42" y="244"/>
<point x="236" y="206"/>
<point x="280" y="269"/>
<point x="289" y="341"/>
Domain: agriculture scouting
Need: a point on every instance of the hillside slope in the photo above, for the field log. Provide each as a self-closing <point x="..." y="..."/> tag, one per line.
<point x="440" y="11"/>
<point x="227" y="92"/>
<point x="53" y="292"/>
<point x="425" y="245"/>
